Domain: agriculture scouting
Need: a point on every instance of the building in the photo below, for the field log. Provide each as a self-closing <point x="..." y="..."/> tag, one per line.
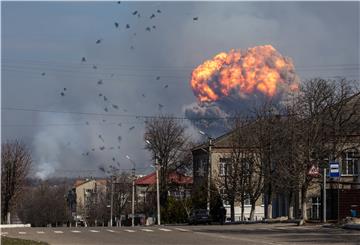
<point x="343" y="193"/>
<point x="219" y="156"/>
<point x="87" y="192"/>
<point x="179" y="185"/>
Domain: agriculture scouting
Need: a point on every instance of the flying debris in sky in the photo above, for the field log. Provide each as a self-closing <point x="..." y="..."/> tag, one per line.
<point x="166" y="86"/>
<point x="139" y="15"/>
<point x="152" y="16"/>
<point x="102" y="148"/>
<point x="105" y="98"/>
<point x="119" y="2"/>
<point x="94" y="67"/>
<point x="135" y="12"/>
<point x="111" y="148"/>
<point x="154" y="27"/>
<point x="119" y="138"/>
<point x="93" y="149"/>
<point x="87" y="123"/>
<point x="127" y="26"/>
<point x="148" y="29"/>
<point x="100" y="137"/>
<point x="100" y="82"/>
<point x="100" y="94"/>
<point x="143" y="95"/>
<point x="119" y="124"/>
<point x="131" y="128"/>
<point x="98" y="41"/>
<point x="158" y="78"/>
<point x="43" y="74"/>
<point x="103" y="120"/>
<point x="106" y="109"/>
<point x="102" y="169"/>
<point x="132" y="47"/>
<point x="116" y="25"/>
<point x="195" y="18"/>
<point x="159" y="11"/>
<point x="160" y="106"/>
<point x="119" y="147"/>
<point x="64" y="89"/>
<point x="83" y="59"/>
<point x="115" y="106"/>
<point x="62" y="94"/>
<point x="87" y="153"/>
<point x="113" y="159"/>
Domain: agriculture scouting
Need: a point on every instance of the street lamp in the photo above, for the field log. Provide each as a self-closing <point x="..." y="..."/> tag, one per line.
<point x="209" y="169"/>
<point x="133" y="191"/>
<point x="157" y="185"/>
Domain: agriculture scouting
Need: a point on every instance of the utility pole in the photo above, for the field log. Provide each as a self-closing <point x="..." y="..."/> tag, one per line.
<point x="112" y="199"/>
<point x="324" y="197"/>
<point x="157" y="191"/>
<point x="209" y="176"/>
<point x="157" y="166"/>
<point x="133" y="196"/>
<point x="133" y="191"/>
<point x="209" y="170"/>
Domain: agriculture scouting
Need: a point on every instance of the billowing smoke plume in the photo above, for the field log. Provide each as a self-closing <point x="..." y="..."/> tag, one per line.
<point x="53" y="145"/>
<point x="233" y="82"/>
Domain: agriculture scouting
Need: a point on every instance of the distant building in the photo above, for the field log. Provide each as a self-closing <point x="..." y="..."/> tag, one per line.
<point x="179" y="185"/>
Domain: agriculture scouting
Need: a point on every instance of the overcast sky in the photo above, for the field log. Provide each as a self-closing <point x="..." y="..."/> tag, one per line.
<point x="43" y="44"/>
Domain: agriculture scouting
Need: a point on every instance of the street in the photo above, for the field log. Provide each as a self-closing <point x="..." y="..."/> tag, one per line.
<point x="213" y="234"/>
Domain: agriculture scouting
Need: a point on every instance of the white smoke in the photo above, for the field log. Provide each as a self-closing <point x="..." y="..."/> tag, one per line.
<point x="52" y="142"/>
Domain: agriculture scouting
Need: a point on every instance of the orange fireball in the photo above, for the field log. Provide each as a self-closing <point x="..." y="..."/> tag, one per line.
<point x="260" y="69"/>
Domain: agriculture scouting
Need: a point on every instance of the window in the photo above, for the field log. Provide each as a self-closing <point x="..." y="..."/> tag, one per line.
<point x="224" y="166"/>
<point x="222" y="170"/>
<point x="350" y="163"/>
<point x="247" y="200"/>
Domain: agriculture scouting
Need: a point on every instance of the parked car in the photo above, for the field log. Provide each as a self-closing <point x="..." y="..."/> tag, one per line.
<point x="199" y="216"/>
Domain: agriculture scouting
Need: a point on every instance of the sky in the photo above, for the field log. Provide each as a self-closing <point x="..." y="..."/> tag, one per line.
<point x="43" y="44"/>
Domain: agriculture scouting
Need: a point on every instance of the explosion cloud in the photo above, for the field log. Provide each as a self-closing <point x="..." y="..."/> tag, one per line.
<point x="233" y="81"/>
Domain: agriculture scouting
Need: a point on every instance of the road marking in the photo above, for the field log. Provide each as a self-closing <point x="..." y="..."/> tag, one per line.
<point x="180" y="229"/>
<point x="110" y="231"/>
<point x="147" y="230"/>
<point x="22" y="232"/>
<point x="75" y="231"/>
<point x="94" y="231"/>
<point x="163" y="229"/>
<point x="129" y="230"/>
<point x="58" y="232"/>
<point x="40" y="232"/>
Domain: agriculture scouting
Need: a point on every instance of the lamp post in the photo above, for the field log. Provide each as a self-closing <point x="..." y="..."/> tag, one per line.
<point x="133" y="192"/>
<point x="157" y="186"/>
<point x="209" y="170"/>
<point x="111" y="199"/>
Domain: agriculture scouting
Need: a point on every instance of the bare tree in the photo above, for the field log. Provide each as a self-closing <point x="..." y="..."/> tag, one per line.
<point x="15" y="165"/>
<point x="168" y="143"/>
<point x="44" y="204"/>
<point x="264" y="133"/>
<point x="327" y="112"/>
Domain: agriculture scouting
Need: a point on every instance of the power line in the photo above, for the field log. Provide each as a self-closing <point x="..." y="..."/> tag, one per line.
<point x="152" y="67"/>
<point x="116" y="115"/>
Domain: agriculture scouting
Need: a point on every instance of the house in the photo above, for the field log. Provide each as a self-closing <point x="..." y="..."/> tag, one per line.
<point x="88" y="191"/>
<point x="220" y="154"/>
<point x="179" y="185"/>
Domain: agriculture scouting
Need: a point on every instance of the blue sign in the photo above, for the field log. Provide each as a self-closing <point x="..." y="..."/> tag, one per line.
<point x="334" y="169"/>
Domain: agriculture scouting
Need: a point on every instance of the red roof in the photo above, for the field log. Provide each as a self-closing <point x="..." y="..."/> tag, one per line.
<point x="173" y="177"/>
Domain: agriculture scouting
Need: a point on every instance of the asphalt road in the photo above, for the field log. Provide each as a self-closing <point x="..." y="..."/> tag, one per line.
<point x="264" y="234"/>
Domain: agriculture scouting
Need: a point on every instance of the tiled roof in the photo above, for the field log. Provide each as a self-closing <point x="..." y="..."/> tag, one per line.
<point x="173" y="177"/>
